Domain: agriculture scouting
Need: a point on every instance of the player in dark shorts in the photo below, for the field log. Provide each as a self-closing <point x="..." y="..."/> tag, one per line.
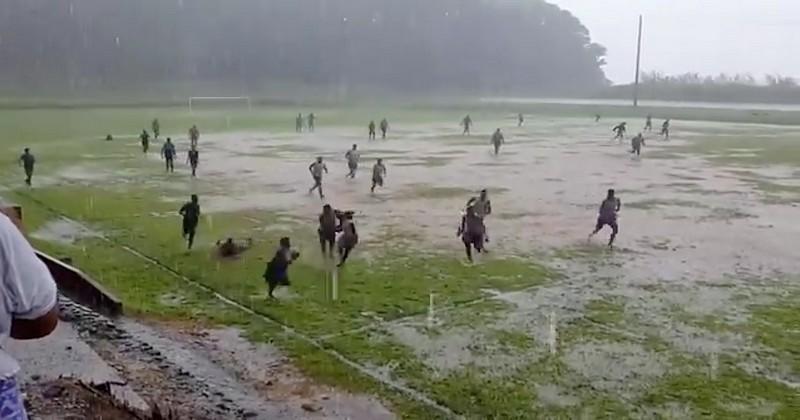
<point x="298" y="123"/>
<point x="27" y="161"/>
<point x="596" y="117"/>
<point x="471" y="231"/>
<point x="145" y="138"/>
<point x="467" y="123"/>
<point x="168" y="153"/>
<point x="277" y="272"/>
<point x="648" y="124"/>
<point x="193" y="159"/>
<point x="327" y="230"/>
<point x="191" y="217"/>
<point x="608" y="216"/>
<point x="371" y="128"/>
<point x="520" y="120"/>
<point x="619" y="131"/>
<point x="349" y="237"/>
<point x="665" y="130"/>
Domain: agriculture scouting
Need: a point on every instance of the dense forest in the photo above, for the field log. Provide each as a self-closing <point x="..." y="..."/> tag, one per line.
<point x="475" y="46"/>
<point x="719" y="88"/>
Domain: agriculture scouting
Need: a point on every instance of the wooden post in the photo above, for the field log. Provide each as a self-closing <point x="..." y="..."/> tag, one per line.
<point x="638" y="58"/>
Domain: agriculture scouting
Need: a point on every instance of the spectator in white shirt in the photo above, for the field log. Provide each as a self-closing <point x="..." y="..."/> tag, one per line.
<point x="28" y="308"/>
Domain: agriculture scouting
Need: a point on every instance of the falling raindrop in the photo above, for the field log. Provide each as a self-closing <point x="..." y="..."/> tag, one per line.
<point x="72" y="9"/>
<point x="180" y="4"/>
<point x="335" y="284"/>
<point x="431" y="311"/>
<point x="713" y="365"/>
<point x="116" y="40"/>
<point x="552" y="339"/>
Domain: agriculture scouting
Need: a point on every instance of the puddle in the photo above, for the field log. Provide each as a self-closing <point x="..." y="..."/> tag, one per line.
<point x="64" y="231"/>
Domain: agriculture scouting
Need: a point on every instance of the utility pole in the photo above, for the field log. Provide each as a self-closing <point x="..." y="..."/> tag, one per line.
<point x="638" y="57"/>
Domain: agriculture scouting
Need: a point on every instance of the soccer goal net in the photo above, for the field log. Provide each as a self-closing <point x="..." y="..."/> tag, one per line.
<point x="216" y="102"/>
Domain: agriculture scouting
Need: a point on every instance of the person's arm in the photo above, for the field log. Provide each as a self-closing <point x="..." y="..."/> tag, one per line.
<point x="311" y="169"/>
<point x="488" y="207"/>
<point x="619" y="204"/>
<point x="325" y="168"/>
<point x="182" y="211"/>
<point x="28" y="291"/>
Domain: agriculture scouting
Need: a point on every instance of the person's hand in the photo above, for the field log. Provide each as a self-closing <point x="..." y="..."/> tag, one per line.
<point x="295" y="255"/>
<point x="11" y="213"/>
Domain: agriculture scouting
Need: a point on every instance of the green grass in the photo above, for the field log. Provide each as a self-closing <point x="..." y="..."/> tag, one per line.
<point x="129" y="200"/>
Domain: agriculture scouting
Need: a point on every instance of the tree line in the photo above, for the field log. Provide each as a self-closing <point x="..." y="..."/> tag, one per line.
<point x="474" y="46"/>
<point x="771" y="88"/>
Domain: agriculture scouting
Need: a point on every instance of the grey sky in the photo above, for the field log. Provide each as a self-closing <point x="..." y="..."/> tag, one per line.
<point x="704" y="36"/>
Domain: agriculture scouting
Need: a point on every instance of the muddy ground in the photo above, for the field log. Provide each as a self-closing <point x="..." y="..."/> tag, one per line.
<point x="699" y="241"/>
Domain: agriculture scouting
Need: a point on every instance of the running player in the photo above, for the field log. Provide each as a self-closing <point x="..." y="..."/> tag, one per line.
<point x="483" y="207"/>
<point x="596" y="117"/>
<point x="156" y="128"/>
<point x="608" y="216"/>
<point x="648" y="124"/>
<point x="471" y="232"/>
<point x="193" y="160"/>
<point x="168" y="153"/>
<point x="467" y="123"/>
<point x="636" y="144"/>
<point x="277" y="272"/>
<point x="349" y="237"/>
<point x="298" y="123"/>
<point x="327" y="230"/>
<point x="316" y="169"/>
<point x="145" y="138"/>
<point x="311" y="119"/>
<point x="27" y="161"/>
<point x="191" y="217"/>
<point x="352" y="156"/>
<point x="619" y="131"/>
<point x="384" y="128"/>
<point x="371" y="128"/>
<point x="194" y="136"/>
<point x="665" y="129"/>
<point x="497" y="141"/>
<point x="520" y="120"/>
<point x="378" y="173"/>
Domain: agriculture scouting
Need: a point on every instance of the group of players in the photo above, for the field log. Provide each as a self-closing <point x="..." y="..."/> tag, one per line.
<point x="637" y="141"/>
<point x="472" y="229"/>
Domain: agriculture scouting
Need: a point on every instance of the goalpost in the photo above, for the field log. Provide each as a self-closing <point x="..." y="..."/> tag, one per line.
<point x="245" y="99"/>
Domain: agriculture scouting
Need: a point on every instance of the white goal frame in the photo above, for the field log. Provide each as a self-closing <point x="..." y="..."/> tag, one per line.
<point x="219" y="98"/>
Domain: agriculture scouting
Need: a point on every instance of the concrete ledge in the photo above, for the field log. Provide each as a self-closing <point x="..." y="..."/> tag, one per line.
<point x="81" y="288"/>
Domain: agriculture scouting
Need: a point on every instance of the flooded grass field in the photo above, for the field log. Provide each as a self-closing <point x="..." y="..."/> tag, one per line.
<point x="693" y="314"/>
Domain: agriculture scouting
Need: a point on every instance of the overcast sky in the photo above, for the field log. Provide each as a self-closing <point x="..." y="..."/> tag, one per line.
<point x="704" y="36"/>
